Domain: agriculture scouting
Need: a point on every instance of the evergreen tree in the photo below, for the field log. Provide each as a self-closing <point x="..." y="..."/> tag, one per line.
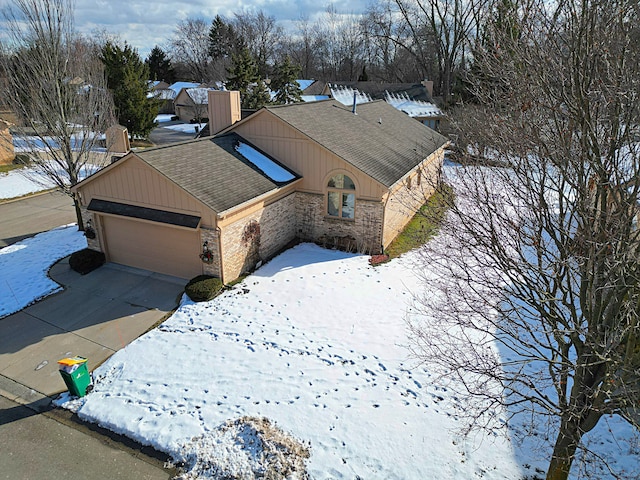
<point x="285" y="83"/>
<point x="258" y="96"/>
<point x="242" y="74"/>
<point x="224" y="42"/>
<point x="159" y="65"/>
<point x="127" y="78"/>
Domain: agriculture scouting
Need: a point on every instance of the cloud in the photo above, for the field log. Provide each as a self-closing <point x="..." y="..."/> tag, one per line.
<point x="144" y="24"/>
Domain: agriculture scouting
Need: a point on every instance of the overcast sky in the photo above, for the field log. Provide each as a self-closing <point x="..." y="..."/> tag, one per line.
<point x="145" y="23"/>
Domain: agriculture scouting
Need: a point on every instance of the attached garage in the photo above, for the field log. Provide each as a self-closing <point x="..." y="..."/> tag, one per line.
<point x="152" y="239"/>
<point x="155" y="247"/>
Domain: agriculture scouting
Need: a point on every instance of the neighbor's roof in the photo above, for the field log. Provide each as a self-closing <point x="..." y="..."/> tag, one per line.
<point x="379" y="140"/>
<point x="177" y="86"/>
<point x="413" y="108"/>
<point x="378" y="90"/>
<point x="212" y="170"/>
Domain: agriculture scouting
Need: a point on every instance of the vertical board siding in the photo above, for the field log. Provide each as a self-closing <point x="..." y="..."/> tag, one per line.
<point x="136" y="183"/>
<point x="303" y="156"/>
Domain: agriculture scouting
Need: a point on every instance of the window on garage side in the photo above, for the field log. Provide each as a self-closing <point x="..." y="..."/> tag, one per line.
<point x="341" y="197"/>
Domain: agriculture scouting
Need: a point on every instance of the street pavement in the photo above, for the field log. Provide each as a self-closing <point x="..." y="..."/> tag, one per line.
<point x="23" y="218"/>
<point x="162" y="135"/>
<point x="54" y="445"/>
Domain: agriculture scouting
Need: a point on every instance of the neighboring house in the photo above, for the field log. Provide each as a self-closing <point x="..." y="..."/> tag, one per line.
<point x="219" y="205"/>
<point x="191" y="104"/>
<point x="413" y="99"/>
<point x="158" y="85"/>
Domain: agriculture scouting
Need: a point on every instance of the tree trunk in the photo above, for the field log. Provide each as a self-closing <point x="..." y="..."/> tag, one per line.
<point x="563" y="451"/>
<point x="76" y="204"/>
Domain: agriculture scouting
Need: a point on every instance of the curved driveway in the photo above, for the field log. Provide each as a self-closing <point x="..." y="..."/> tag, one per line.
<point x="96" y="315"/>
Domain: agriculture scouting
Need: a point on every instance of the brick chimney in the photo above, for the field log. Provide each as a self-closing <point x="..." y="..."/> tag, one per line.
<point x="224" y="109"/>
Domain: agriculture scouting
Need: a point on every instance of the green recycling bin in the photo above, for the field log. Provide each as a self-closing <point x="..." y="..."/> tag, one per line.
<point x="75" y="375"/>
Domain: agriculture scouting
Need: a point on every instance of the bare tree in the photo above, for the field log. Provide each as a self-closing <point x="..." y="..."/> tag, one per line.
<point x="440" y="30"/>
<point x="190" y="48"/>
<point x="391" y="49"/>
<point x="339" y="45"/>
<point x="262" y="35"/>
<point x="537" y="289"/>
<point x="55" y="84"/>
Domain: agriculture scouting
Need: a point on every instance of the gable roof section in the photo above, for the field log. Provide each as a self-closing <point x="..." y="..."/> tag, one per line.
<point x="212" y="171"/>
<point x="379" y="140"/>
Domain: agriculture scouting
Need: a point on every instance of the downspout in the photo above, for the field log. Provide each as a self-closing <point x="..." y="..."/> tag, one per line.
<point x="220" y="252"/>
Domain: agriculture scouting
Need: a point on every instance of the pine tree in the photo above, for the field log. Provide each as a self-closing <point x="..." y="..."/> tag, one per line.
<point x="127" y="78"/>
<point x="242" y="75"/>
<point x="223" y="39"/>
<point x="285" y="83"/>
<point x="159" y="65"/>
<point x="258" y="96"/>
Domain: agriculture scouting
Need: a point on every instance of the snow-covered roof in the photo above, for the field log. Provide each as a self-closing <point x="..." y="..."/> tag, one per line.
<point x="413" y="108"/>
<point x="314" y="98"/>
<point x="263" y="163"/>
<point x="346" y="95"/>
<point x="176" y="87"/>
<point x="305" y="83"/>
<point x="199" y="95"/>
<point x="163" y="94"/>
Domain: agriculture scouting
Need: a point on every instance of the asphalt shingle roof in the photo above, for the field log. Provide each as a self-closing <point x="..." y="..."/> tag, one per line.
<point x="379" y="140"/>
<point x="211" y="170"/>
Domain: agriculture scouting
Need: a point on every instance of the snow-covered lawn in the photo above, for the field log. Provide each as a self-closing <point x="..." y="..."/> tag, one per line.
<point x="16" y="184"/>
<point x="315" y="341"/>
<point x="186" y="127"/>
<point x="26" y="180"/>
<point x="24" y="266"/>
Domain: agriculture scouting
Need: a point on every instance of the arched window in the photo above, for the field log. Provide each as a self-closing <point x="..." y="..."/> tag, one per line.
<point x="341" y="197"/>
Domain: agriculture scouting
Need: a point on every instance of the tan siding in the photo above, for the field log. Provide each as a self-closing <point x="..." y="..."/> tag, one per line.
<point x="136" y="183"/>
<point x="303" y="156"/>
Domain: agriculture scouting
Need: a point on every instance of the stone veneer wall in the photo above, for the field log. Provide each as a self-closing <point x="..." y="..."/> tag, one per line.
<point x="277" y="228"/>
<point x="314" y="225"/>
<point x="92" y="243"/>
<point x="405" y="202"/>
<point x="213" y="237"/>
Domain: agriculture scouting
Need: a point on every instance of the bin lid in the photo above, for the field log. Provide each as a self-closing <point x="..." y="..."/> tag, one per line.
<point x="70" y="361"/>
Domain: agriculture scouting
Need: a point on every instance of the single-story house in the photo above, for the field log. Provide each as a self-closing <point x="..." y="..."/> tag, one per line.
<point x="191" y="104"/>
<point x="219" y="205"/>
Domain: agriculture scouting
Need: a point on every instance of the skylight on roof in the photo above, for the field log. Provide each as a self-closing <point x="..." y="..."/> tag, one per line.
<point x="271" y="169"/>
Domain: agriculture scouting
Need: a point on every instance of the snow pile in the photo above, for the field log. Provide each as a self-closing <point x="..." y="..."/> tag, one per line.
<point x="246" y="448"/>
<point x="24" y="266"/>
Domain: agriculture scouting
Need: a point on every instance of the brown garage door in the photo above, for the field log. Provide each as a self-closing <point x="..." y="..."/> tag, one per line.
<point x="152" y="246"/>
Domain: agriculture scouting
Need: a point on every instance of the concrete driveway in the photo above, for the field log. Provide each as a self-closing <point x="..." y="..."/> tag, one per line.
<point x="96" y="315"/>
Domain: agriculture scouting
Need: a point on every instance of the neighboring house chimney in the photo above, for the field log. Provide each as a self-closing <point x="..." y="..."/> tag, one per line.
<point x="7" y="153"/>
<point x="224" y="109"/>
<point x="428" y="84"/>
<point x="117" y="141"/>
